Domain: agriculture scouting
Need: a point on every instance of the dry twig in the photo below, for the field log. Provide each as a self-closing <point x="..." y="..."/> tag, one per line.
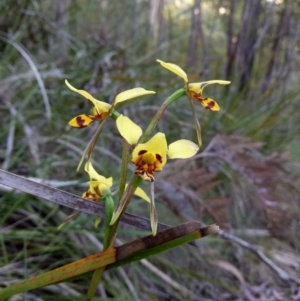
<point x="280" y="273"/>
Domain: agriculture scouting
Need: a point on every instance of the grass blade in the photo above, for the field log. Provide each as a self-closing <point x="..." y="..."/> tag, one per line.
<point x="114" y="257"/>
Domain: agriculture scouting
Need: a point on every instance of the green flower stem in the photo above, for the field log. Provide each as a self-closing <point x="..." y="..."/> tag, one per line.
<point x="196" y="122"/>
<point x="110" y="230"/>
<point x="108" y="235"/>
<point x="177" y="94"/>
<point x="114" y="115"/>
<point x="109" y="209"/>
<point x="124" y="167"/>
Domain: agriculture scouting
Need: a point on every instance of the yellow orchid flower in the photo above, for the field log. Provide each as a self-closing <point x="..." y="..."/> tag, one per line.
<point x="102" y="109"/>
<point x="151" y="156"/>
<point x="195" y="90"/>
<point x="99" y="185"/>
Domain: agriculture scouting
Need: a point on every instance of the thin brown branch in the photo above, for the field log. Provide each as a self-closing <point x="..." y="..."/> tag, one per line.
<point x="280" y="273"/>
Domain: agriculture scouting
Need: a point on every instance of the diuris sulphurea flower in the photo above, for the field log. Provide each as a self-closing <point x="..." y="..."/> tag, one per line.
<point x="150" y="157"/>
<point x="99" y="187"/>
<point x="101" y="109"/>
<point x="195" y="90"/>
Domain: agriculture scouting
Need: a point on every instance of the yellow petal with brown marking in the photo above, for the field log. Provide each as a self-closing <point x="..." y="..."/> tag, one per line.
<point x="156" y="148"/>
<point x="82" y="121"/>
<point x="210" y="104"/>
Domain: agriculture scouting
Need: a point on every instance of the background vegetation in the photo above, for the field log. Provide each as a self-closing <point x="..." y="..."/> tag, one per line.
<point x="246" y="178"/>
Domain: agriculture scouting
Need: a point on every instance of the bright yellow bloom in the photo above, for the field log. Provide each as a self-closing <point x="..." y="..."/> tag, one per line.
<point x="195" y="89"/>
<point x="102" y="109"/>
<point x="151" y="156"/>
<point x="99" y="186"/>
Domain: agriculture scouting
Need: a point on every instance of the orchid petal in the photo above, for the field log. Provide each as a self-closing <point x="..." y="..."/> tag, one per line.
<point x="157" y="146"/>
<point x="99" y="105"/>
<point x="103" y="185"/>
<point x="175" y="69"/>
<point x="91" y="194"/>
<point x="94" y="176"/>
<point x="198" y="87"/>
<point x="82" y="121"/>
<point x="132" y="93"/>
<point x="97" y="181"/>
<point x="142" y="194"/>
<point x="210" y="104"/>
<point x="129" y="130"/>
<point x="182" y="149"/>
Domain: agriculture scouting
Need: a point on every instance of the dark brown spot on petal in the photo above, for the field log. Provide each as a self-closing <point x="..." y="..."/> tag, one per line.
<point x="158" y="158"/>
<point x="142" y="152"/>
<point x="91" y="196"/>
<point x="101" y="116"/>
<point x="195" y="96"/>
<point x="210" y="105"/>
<point x="80" y="121"/>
